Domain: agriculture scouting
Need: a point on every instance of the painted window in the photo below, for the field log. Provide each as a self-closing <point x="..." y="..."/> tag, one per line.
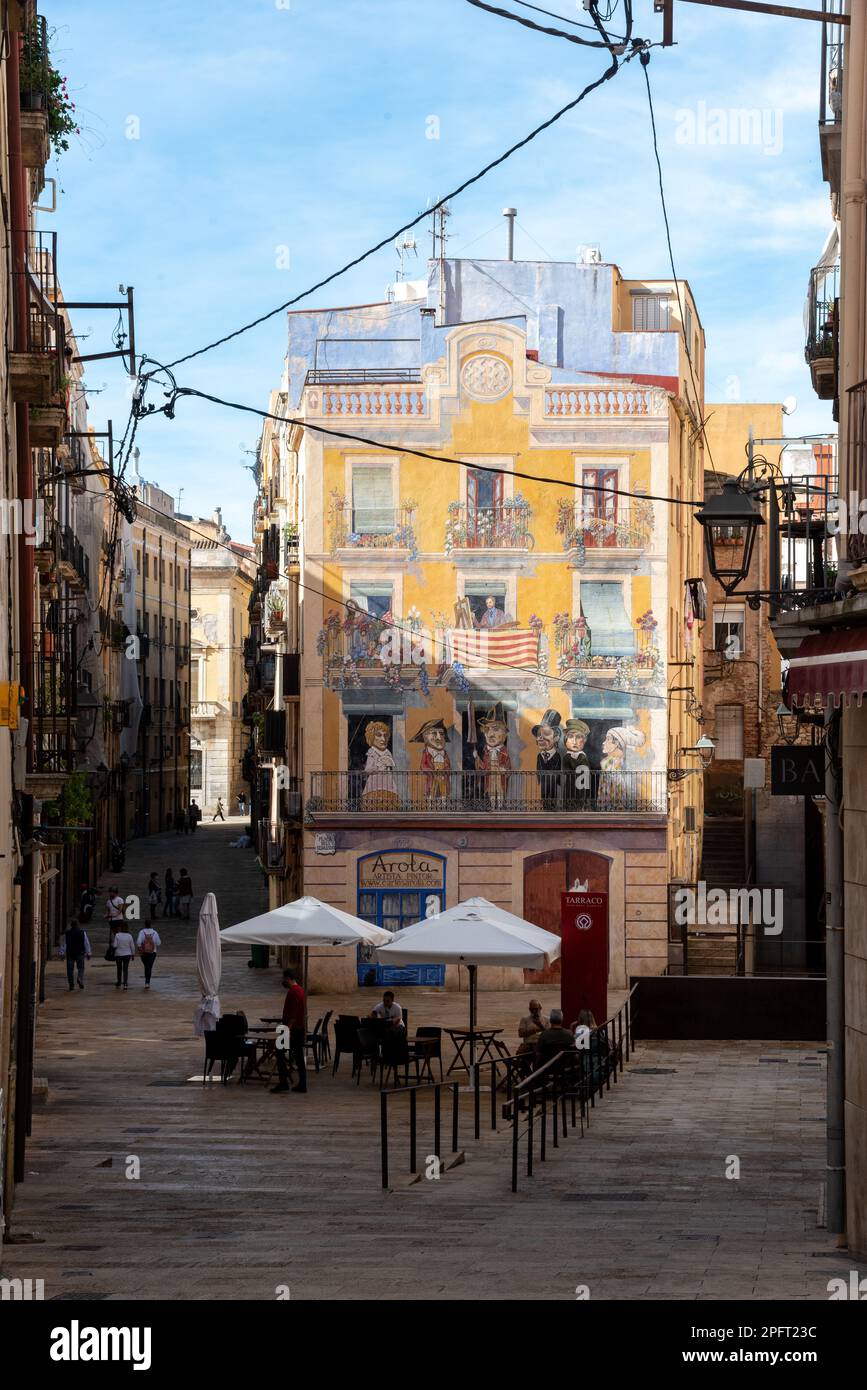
<point x="604" y="607"/>
<point x="478" y="591"/>
<point x="729" y="733"/>
<point x="377" y="599"/>
<point x="372" y="500"/>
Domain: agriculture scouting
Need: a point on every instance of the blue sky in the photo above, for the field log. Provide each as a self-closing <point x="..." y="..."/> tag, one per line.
<point x="265" y="125"/>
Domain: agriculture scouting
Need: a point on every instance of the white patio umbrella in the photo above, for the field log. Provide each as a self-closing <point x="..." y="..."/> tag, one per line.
<point x="208" y="966"/>
<point x="306" y="922"/>
<point x="473" y="936"/>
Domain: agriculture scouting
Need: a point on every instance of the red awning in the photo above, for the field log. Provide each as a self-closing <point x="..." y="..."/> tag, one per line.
<point x="830" y="667"/>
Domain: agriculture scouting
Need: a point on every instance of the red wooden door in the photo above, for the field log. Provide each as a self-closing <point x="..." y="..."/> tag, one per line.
<point x="546" y="877"/>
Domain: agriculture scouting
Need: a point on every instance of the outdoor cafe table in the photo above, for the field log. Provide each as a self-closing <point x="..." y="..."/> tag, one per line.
<point x="488" y="1038"/>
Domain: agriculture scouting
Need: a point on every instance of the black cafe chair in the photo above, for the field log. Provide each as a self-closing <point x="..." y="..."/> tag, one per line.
<point x="369" y="1050"/>
<point x="432" y="1051"/>
<point x="345" y="1039"/>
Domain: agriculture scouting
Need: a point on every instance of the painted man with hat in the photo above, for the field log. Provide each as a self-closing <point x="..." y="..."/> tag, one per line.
<point x="494" y="761"/>
<point x="435" y="762"/>
<point x="576" y="764"/>
<point x="549" y="760"/>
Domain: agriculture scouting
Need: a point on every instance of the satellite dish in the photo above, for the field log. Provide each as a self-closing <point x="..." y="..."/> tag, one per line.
<point x="790" y="405"/>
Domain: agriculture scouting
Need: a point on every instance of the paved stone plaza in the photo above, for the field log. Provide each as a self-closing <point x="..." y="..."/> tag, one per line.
<point x="241" y="1192"/>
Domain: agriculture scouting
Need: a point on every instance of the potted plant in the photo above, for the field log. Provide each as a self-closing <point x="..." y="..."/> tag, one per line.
<point x="43" y="88"/>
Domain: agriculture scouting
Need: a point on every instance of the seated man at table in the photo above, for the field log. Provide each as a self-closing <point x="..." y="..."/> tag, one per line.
<point x="390" y="1012"/>
<point x="555" y="1038"/>
<point x="531" y="1026"/>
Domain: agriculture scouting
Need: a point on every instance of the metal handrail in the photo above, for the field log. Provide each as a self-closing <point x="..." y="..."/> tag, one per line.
<point x="570" y="1076"/>
<point x="454" y="1083"/>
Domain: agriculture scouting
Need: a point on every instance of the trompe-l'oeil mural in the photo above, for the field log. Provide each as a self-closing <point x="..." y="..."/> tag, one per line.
<point x="471" y="767"/>
<point x="362" y="648"/>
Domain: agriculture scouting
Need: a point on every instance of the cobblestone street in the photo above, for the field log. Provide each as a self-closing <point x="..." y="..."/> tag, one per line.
<point x="241" y="1192"/>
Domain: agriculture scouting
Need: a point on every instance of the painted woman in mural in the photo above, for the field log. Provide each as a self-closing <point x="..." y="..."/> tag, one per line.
<point x="380" y="792"/>
<point x="494" y="760"/>
<point x="614" y="789"/>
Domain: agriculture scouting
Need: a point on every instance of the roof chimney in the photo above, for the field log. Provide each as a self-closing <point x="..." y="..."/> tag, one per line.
<point x="510" y="214"/>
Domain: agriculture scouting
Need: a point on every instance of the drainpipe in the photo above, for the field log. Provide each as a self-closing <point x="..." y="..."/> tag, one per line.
<point x="835" y="1192"/>
<point x="26" y="955"/>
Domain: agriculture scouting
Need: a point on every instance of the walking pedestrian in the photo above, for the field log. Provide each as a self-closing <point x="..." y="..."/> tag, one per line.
<point x="76" y="949"/>
<point x="124" y="950"/>
<point x="155" y="894"/>
<point x="242" y="804"/>
<point x="195" y="816"/>
<point x="86" y="903"/>
<point x="114" y="909"/>
<point x="218" y="814"/>
<point x="295" y="1019"/>
<point x="185" y="894"/>
<point x="148" y="943"/>
<point x="169" y="909"/>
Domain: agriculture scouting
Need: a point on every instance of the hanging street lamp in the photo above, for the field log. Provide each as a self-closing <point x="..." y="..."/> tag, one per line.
<point x="730" y="520"/>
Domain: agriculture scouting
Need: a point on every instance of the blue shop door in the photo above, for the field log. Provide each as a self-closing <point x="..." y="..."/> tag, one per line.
<point x="394" y="911"/>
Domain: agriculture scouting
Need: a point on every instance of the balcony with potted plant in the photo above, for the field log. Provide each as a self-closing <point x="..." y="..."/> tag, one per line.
<point x="47" y="111"/>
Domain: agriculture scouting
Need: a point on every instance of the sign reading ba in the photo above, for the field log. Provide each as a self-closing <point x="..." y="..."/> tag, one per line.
<point x="797" y="771"/>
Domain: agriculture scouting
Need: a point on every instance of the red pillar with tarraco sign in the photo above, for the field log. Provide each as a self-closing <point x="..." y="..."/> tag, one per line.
<point x="584" y="955"/>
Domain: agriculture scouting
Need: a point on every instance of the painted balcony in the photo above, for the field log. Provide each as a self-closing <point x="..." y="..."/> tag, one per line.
<point x="607" y="540"/>
<point x="371" y="529"/>
<point x="360" y="650"/>
<point x="632" y="654"/>
<point x="603" y="401"/>
<point x="362" y="394"/>
<point x="505" y="527"/>
<point x="473" y="794"/>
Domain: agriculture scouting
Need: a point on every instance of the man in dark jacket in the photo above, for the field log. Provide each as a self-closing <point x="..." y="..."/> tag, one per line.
<point x="76" y="948"/>
<point x="295" y="1019"/>
<point x="555" y="1038"/>
<point x="549" y="761"/>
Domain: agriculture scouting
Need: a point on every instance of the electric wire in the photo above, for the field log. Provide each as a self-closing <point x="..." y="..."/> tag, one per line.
<point x="606" y="76"/>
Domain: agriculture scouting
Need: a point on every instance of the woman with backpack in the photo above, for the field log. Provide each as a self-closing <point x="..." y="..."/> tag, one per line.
<point x="148" y="943"/>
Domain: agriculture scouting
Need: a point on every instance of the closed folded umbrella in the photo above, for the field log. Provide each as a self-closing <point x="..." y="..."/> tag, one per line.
<point x="209" y="966"/>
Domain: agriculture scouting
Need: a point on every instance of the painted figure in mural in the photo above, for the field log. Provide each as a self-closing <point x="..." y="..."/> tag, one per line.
<point x="380" y="792"/>
<point x="614" y="791"/>
<point x="492" y="616"/>
<point x="576" y="765"/>
<point x="494" y="761"/>
<point x="549" y="760"/>
<point x="435" y="762"/>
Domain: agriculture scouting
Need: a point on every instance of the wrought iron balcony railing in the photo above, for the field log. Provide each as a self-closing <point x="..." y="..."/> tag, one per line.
<point x="821" y="349"/>
<point x="468" y="793"/>
<point x="371" y="528"/>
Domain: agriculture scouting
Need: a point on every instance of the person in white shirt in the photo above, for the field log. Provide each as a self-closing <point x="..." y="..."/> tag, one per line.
<point x="114" y="906"/>
<point x="388" y="1010"/>
<point x="124" y="950"/>
<point x="148" y="942"/>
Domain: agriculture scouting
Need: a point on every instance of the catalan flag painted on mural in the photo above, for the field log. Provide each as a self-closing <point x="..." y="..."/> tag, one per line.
<point x="513" y="647"/>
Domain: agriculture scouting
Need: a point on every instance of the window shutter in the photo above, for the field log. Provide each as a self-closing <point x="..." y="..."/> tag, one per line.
<point x="372" y="498"/>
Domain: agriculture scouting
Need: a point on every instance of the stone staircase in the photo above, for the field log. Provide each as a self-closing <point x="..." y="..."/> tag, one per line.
<point x="722" y="866"/>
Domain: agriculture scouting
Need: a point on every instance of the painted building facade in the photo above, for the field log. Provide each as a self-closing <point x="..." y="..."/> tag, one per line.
<point x="484" y="654"/>
<point x="222" y="581"/>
